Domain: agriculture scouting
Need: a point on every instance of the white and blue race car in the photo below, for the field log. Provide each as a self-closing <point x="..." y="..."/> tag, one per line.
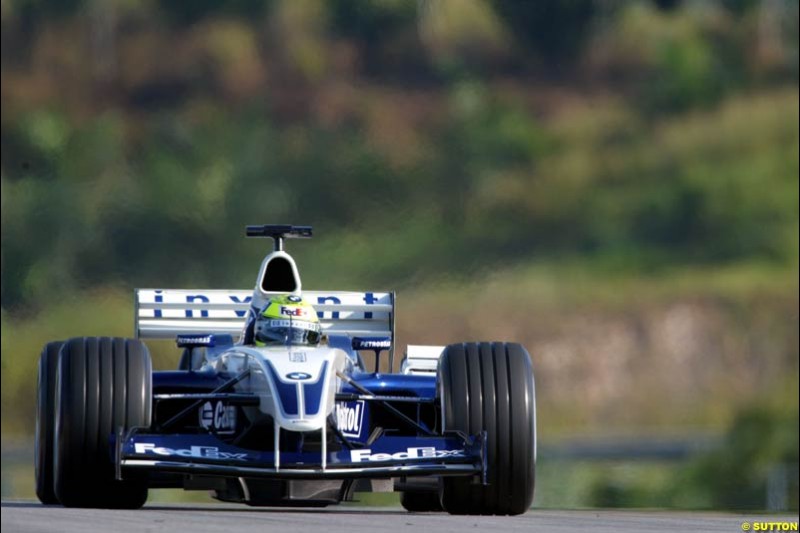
<point x="454" y="430"/>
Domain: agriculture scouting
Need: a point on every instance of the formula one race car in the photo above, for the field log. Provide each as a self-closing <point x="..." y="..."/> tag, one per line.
<point x="286" y="414"/>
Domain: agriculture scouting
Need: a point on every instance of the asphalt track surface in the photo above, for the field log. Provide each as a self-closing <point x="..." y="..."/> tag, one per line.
<point x="31" y="516"/>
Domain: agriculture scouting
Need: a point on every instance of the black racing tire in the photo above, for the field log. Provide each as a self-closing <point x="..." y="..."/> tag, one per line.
<point x="489" y="387"/>
<point x="45" y="423"/>
<point x="421" y="502"/>
<point x="102" y="384"/>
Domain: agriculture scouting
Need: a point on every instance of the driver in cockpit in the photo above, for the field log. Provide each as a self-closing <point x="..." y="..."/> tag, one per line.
<point x="287" y="320"/>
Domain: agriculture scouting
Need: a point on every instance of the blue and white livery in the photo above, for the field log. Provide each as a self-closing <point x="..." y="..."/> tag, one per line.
<point x="453" y="430"/>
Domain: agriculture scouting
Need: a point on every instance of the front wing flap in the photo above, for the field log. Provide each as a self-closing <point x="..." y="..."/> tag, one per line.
<point x="387" y="456"/>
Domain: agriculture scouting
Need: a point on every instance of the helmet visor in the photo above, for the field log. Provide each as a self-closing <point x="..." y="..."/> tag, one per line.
<point x="272" y="332"/>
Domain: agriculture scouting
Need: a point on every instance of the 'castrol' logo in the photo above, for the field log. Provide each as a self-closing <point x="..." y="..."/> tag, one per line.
<point x="349" y="418"/>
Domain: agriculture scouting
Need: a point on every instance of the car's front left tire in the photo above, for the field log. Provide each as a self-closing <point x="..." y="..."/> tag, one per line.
<point x="489" y="387"/>
<point x="45" y="423"/>
<point x="102" y="384"/>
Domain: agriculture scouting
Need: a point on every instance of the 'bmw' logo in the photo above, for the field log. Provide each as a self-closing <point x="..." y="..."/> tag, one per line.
<point x="298" y="376"/>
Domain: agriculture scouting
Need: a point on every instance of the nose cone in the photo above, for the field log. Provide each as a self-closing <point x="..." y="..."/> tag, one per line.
<point x="304" y="385"/>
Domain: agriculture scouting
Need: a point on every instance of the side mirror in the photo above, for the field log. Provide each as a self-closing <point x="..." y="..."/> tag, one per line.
<point x="376" y="344"/>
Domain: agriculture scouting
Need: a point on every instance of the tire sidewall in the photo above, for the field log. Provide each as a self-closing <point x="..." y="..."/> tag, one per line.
<point x="45" y="423"/>
<point x="88" y="411"/>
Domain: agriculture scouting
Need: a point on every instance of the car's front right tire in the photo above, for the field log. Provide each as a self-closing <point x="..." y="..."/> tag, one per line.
<point x="102" y="384"/>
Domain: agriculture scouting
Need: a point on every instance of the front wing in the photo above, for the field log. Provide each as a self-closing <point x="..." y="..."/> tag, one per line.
<point x="388" y="456"/>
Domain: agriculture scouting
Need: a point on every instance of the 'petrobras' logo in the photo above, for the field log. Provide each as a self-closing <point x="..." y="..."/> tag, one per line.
<point x="349" y="418"/>
<point x="425" y="452"/>
<point x="188" y="341"/>
<point x="376" y="344"/>
<point x="203" y="452"/>
<point x="372" y="343"/>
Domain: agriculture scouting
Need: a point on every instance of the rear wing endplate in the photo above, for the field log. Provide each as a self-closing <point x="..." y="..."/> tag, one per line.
<point x="165" y="313"/>
<point x="421" y="359"/>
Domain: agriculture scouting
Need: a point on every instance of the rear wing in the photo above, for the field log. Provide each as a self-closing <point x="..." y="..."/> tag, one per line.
<point x="165" y="313"/>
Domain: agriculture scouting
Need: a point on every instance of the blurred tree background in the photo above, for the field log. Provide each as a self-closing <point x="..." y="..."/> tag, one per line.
<point x="613" y="183"/>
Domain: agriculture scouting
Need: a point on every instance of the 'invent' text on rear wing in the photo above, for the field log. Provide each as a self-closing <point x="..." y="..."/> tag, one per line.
<point x="165" y="313"/>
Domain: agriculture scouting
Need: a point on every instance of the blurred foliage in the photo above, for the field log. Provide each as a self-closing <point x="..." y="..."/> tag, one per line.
<point x="760" y="444"/>
<point x="379" y="123"/>
<point x="431" y="144"/>
<point x="554" y="31"/>
<point x="761" y="440"/>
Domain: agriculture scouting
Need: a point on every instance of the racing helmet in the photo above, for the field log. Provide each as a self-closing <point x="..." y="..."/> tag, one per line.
<point x="287" y="320"/>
